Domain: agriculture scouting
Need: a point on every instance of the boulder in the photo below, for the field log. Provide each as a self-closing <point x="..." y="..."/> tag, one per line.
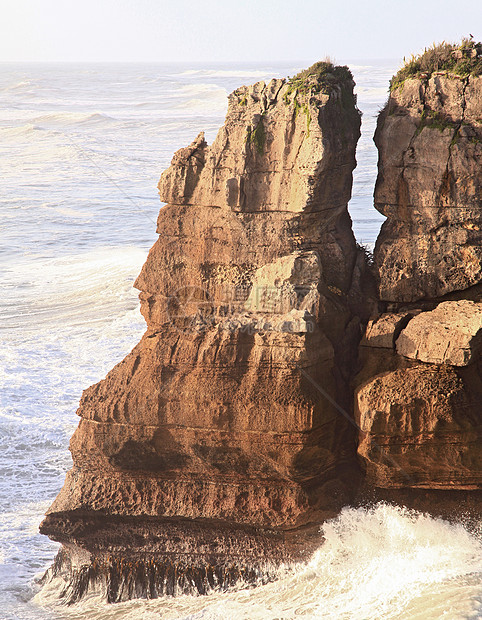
<point x="382" y="331"/>
<point x="420" y="427"/>
<point x="450" y="334"/>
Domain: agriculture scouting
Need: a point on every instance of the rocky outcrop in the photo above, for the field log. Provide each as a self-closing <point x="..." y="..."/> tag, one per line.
<point x="420" y="422"/>
<point x="419" y="393"/>
<point x="451" y="334"/>
<point x="429" y="186"/>
<point x="201" y="455"/>
<point x="211" y="453"/>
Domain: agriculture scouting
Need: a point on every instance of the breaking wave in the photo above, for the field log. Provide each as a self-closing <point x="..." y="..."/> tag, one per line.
<point x="379" y="562"/>
<point x="72" y="118"/>
<point x="48" y="292"/>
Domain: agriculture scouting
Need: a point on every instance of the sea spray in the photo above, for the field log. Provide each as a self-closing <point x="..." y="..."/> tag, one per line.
<point x="379" y="562"/>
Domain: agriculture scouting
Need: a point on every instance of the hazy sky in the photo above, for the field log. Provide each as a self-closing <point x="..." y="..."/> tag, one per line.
<point x="245" y="30"/>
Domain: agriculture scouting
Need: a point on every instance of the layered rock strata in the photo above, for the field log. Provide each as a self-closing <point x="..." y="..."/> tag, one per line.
<point x="419" y="394"/>
<point x="201" y="455"/>
<point x="429" y="185"/>
<point x="418" y="401"/>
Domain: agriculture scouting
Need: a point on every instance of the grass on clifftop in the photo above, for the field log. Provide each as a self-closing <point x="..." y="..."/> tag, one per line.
<point x="322" y="76"/>
<point x="461" y="60"/>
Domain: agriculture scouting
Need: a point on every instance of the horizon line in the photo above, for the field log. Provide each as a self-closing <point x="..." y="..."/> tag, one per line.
<point x="199" y="62"/>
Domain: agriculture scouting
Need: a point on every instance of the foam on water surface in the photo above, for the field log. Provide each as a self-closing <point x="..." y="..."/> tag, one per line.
<point x="379" y="562"/>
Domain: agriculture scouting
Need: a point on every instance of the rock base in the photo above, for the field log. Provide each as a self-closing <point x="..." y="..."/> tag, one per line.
<point x="122" y="558"/>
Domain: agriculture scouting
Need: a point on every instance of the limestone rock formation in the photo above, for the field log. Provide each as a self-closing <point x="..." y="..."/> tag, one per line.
<point x="199" y="456"/>
<point x="451" y="334"/>
<point x="419" y="392"/>
<point x="382" y="332"/>
<point x="420" y="422"/>
<point x="429" y="186"/>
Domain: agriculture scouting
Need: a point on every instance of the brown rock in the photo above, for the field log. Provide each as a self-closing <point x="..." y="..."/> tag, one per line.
<point x="215" y="253"/>
<point x="420" y="427"/>
<point x="429" y="186"/>
<point x="450" y="334"/>
<point x="209" y="425"/>
<point x="270" y="155"/>
<point x="382" y="332"/>
<point x="418" y="403"/>
<point x="216" y="416"/>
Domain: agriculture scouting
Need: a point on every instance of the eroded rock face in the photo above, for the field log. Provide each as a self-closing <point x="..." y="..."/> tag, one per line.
<point x="429" y="138"/>
<point x="420" y="421"/>
<point x="419" y="393"/>
<point x="261" y="160"/>
<point x="426" y="420"/>
<point x="215" y="417"/>
<point x="451" y="334"/>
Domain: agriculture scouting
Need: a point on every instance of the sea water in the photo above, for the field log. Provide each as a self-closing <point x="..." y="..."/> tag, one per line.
<point x="81" y="150"/>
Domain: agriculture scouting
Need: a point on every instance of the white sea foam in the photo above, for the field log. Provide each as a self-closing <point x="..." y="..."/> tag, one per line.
<point x="15" y="132"/>
<point x="204" y="89"/>
<point x="23" y="85"/>
<point x="68" y="211"/>
<point x="375" y="95"/>
<point x="206" y="97"/>
<point x="43" y="293"/>
<point x="378" y="562"/>
<point x="72" y="118"/>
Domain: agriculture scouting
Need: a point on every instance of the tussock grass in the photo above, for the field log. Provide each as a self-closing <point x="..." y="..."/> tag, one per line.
<point x="462" y="59"/>
<point x="322" y="76"/>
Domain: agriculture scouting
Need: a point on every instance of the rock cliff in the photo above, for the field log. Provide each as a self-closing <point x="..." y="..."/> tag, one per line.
<point x="419" y="393"/>
<point x="201" y="457"/>
<point x="429" y="138"/>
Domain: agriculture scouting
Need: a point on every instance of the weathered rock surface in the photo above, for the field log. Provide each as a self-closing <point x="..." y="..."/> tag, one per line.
<point x="261" y="160"/>
<point x="450" y="334"/>
<point x="418" y="396"/>
<point x="429" y="186"/>
<point x="420" y="427"/>
<point x="382" y="331"/>
<point x="215" y="417"/>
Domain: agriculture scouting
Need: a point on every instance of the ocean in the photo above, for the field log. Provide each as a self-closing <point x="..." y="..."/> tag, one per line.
<point x="81" y="151"/>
